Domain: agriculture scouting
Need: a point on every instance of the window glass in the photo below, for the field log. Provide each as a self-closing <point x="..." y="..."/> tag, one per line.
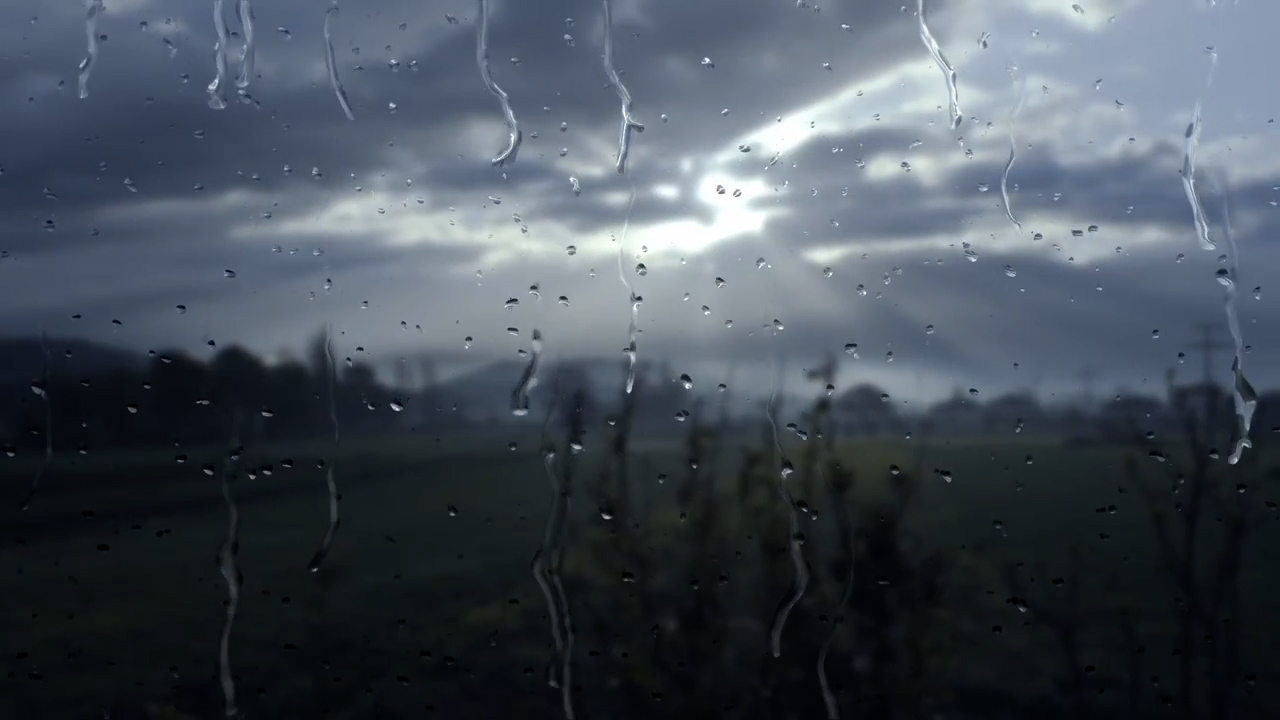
<point x="631" y="358"/>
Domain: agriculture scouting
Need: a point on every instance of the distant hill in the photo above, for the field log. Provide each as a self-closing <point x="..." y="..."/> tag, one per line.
<point x="484" y="394"/>
<point x="486" y="391"/>
<point x="23" y="359"/>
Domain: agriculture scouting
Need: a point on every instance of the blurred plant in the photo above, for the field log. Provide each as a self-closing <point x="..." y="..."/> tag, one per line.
<point x="1201" y="516"/>
<point x="675" y="605"/>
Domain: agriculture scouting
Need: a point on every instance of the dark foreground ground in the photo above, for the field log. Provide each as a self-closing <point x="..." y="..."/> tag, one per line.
<point x="426" y="607"/>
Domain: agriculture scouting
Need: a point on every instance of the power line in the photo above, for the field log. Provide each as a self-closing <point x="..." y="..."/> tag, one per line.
<point x="1208" y="344"/>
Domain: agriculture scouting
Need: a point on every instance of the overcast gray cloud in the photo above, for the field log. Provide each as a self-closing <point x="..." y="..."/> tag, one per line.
<point x="811" y="136"/>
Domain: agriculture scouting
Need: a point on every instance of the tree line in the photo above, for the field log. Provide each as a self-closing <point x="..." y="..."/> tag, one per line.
<point x="175" y="398"/>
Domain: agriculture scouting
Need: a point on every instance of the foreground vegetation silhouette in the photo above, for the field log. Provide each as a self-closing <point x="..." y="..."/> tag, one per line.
<point x="675" y="561"/>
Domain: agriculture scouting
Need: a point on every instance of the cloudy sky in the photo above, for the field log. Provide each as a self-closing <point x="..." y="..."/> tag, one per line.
<point x="798" y="164"/>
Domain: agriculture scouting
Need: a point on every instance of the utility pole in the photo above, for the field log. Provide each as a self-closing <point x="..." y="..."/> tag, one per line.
<point x="1208" y="344"/>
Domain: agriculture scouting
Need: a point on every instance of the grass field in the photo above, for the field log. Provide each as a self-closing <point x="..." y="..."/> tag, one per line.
<point x="113" y="594"/>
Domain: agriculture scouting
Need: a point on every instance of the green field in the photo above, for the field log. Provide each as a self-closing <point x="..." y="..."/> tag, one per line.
<point x="113" y="594"/>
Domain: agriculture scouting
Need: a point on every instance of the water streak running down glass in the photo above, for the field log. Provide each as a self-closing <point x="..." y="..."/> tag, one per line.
<point x="93" y="8"/>
<point x="514" y="136"/>
<point x="528" y="378"/>
<point x="795" y="550"/>
<point x="331" y="483"/>
<point x="633" y="299"/>
<point x="231" y="577"/>
<point x="948" y="72"/>
<point x="1191" y="144"/>
<point x="1244" y="397"/>
<point x="244" y="12"/>
<point x="218" y="86"/>
<point x="331" y="64"/>
<point x="546" y="567"/>
<point x="628" y="123"/>
<point x="1019" y="88"/>
<point x="844" y="526"/>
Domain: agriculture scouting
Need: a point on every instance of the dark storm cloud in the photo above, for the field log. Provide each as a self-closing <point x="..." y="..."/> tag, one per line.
<point x="138" y="92"/>
<point x="1049" y="193"/>
<point x="147" y="120"/>
<point x="192" y="274"/>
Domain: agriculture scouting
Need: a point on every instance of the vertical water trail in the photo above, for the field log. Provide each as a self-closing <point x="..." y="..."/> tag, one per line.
<point x="48" y="424"/>
<point x="1019" y="87"/>
<point x="566" y="658"/>
<point x="1242" y="393"/>
<point x="514" y="136"/>
<point x="801" y="582"/>
<point x="953" y="94"/>
<point x="331" y="373"/>
<point x="331" y="63"/>
<point x="244" y="12"/>
<point x="93" y="8"/>
<point x="541" y="556"/>
<point x="218" y="86"/>
<point x="845" y="527"/>
<point x="1191" y="143"/>
<point x="633" y="328"/>
<point x="768" y="409"/>
<point x="231" y="576"/>
<point x="528" y="378"/>
<point x="546" y="571"/>
<point x="628" y="123"/>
